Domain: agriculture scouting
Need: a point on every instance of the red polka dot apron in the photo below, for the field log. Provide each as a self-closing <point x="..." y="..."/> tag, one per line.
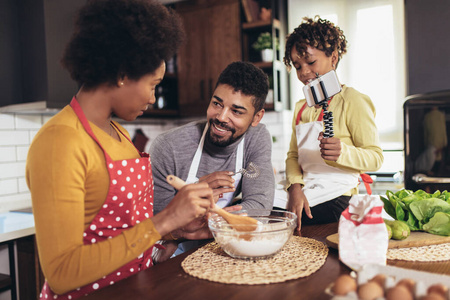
<point x="129" y="202"/>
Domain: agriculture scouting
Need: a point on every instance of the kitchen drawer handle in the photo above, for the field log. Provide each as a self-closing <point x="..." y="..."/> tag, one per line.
<point x="422" y="178"/>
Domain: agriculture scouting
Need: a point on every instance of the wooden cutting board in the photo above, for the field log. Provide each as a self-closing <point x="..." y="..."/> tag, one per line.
<point x="416" y="239"/>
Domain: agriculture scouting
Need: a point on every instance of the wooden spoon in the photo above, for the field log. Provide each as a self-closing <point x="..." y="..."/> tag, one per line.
<point x="238" y="222"/>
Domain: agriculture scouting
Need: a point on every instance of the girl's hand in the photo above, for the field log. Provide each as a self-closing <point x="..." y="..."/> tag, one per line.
<point x="330" y="148"/>
<point x="297" y="203"/>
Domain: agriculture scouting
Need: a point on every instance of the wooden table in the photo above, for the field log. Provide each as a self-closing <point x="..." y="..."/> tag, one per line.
<point x="168" y="280"/>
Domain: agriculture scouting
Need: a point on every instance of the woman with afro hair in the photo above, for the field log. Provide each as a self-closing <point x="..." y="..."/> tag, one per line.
<point x="322" y="173"/>
<point x="91" y="189"/>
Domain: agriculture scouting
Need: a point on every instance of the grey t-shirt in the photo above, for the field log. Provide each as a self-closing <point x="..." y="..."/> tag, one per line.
<point x="172" y="152"/>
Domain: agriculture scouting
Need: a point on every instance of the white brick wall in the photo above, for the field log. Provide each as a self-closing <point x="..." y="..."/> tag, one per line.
<point x="18" y="130"/>
<point x="16" y="134"/>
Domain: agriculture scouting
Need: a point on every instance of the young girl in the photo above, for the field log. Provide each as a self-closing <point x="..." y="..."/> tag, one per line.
<point x="322" y="173"/>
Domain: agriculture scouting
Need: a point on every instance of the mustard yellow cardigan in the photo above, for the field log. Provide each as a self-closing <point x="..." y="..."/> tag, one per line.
<point x="68" y="180"/>
<point x="354" y="124"/>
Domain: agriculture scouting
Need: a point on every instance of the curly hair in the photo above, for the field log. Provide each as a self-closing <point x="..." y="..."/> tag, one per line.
<point x="248" y="79"/>
<point x="318" y="33"/>
<point x="117" y="38"/>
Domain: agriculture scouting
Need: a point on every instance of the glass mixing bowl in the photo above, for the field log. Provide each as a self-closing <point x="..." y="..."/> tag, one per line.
<point x="274" y="229"/>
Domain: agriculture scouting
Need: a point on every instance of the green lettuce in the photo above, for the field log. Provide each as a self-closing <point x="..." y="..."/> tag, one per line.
<point x="420" y="210"/>
<point x="439" y="224"/>
<point x="424" y="210"/>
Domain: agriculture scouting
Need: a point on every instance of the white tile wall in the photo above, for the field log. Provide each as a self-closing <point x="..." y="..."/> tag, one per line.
<point x="7" y="153"/>
<point x="18" y="130"/>
<point x="16" y="133"/>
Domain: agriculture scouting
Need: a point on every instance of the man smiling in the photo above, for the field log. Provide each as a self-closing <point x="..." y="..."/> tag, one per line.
<point x="213" y="150"/>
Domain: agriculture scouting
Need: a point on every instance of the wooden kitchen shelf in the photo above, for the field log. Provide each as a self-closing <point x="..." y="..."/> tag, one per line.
<point x="276" y="26"/>
<point x="258" y="24"/>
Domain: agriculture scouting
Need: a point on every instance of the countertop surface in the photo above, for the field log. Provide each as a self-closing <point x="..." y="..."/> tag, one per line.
<point x="15" y="225"/>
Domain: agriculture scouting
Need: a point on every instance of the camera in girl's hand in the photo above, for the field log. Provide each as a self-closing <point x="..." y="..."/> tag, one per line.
<point x="322" y="88"/>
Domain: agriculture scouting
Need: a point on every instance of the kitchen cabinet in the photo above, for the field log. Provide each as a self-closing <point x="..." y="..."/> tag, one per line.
<point x="34" y="33"/>
<point x="275" y="69"/>
<point x="166" y="95"/>
<point x="8" y="281"/>
<point x="31" y="278"/>
<point x="213" y="31"/>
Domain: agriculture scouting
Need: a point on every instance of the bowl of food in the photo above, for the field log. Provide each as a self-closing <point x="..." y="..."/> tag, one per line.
<point x="274" y="229"/>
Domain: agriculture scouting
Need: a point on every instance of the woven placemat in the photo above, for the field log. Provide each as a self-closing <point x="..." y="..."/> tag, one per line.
<point x="430" y="253"/>
<point x="300" y="257"/>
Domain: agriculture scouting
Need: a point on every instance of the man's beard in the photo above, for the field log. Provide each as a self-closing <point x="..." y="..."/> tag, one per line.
<point x="213" y="139"/>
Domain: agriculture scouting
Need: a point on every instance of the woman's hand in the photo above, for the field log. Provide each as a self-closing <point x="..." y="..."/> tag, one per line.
<point x="297" y="203"/>
<point x="198" y="229"/>
<point x="221" y="182"/>
<point x="191" y="202"/>
<point x="330" y="148"/>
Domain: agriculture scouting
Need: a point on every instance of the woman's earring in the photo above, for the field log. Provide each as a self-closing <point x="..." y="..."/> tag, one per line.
<point x="121" y="83"/>
<point x="333" y="65"/>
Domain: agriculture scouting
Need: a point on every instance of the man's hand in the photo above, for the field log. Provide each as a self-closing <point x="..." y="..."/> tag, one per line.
<point x="195" y="230"/>
<point x="297" y="203"/>
<point x="161" y="255"/>
<point x="221" y="182"/>
<point x="233" y="208"/>
<point x="330" y="148"/>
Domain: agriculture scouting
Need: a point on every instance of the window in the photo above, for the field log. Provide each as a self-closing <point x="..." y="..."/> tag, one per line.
<point x="375" y="60"/>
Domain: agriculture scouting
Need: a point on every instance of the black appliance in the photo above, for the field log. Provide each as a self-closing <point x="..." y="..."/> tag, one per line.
<point x="426" y="138"/>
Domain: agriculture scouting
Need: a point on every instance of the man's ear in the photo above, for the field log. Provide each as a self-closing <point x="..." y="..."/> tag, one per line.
<point x="257" y="117"/>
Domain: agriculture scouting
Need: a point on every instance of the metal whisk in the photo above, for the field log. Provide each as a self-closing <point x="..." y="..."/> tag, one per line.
<point x="252" y="171"/>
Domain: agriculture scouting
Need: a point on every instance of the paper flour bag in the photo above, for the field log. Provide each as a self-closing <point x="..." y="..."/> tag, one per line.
<point x="363" y="236"/>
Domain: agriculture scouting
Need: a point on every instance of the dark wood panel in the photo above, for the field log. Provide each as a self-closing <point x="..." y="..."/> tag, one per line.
<point x="213" y="41"/>
<point x="190" y="62"/>
<point x="30" y="275"/>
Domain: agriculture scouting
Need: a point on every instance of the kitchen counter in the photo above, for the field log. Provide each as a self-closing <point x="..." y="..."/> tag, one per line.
<point x="15" y="225"/>
<point x="18" y="232"/>
<point x="168" y="280"/>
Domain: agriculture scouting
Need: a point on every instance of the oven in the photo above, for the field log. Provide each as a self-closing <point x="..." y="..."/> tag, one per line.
<point x="426" y="138"/>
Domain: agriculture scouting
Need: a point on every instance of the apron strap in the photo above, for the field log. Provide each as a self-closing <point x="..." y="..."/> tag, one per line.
<point x="84" y="121"/>
<point x="367" y="180"/>
<point x="192" y="175"/>
<point x="299" y="115"/>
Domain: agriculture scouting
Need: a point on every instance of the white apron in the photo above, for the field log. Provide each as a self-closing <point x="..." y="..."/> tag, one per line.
<point x="226" y="198"/>
<point x="322" y="181"/>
